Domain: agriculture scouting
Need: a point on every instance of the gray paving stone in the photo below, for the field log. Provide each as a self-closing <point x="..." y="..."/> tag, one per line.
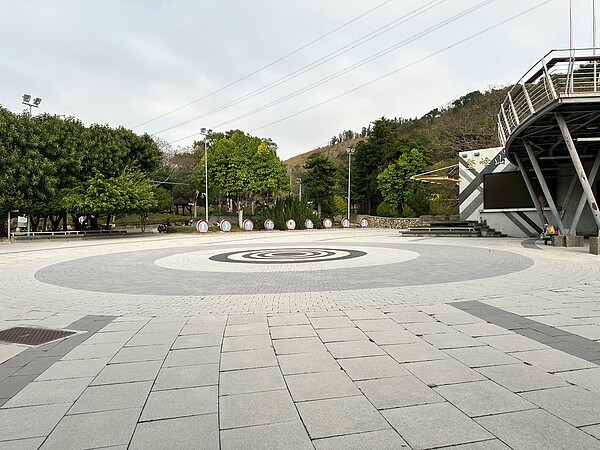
<point x="372" y="367"/>
<point x="152" y="339"/>
<point x="452" y="340"/>
<point x="512" y="343"/>
<point x="331" y="322"/>
<point x="288" y="319"/>
<point x="197" y="340"/>
<point x="93" y="351"/>
<point x="193" y="356"/>
<point x="111" y="397"/>
<point x="125" y="325"/>
<point x="74" y="369"/>
<point x="410" y="317"/>
<point x="571" y="403"/>
<point x="180" y="403"/>
<point x="592" y="430"/>
<point x="298" y="345"/>
<point x="248" y="329"/>
<point x="493" y="444"/>
<point x="157" y="325"/>
<point x="320" y="385"/>
<point x="451" y="426"/>
<point x="371" y="440"/>
<point x="536" y="429"/>
<point x="398" y="392"/>
<point x="292" y="331"/>
<point x="48" y="392"/>
<point x="244" y="319"/>
<point x="258" y="408"/>
<point x="482" y="398"/>
<point x="138" y="354"/>
<point x="92" y="430"/>
<point x="237" y="343"/>
<point x="521" y="377"/>
<point x="203" y="328"/>
<point x="354" y="349"/>
<point x="114" y="337"/>
<point x="128" y="372"/>
<point x="481" y="329"/>
<point x="187" y="376"/>
<point x="22" y="444"/>
<point x="419" y="351"/>
<point x="552" y="360"/>
<point x="389" y="337"/>
<point x="248" y="359"/>
<point x="251" y="380"/>
<point x="12" y="385"/>
<point x="481" y="356"/>
<point x="443" y="371"/>
<point x="287" y="435"/>
<point x="586" y="378"/>
<point x="457" y="318"/>
<point x="307" y="362"/>
<point x="337" y="416"/>
<point x="364" y="314"/>
<point x="181" y="433"/>
<point x="30" y="421"/>
<point x="426" y="328"/>
<point x="341" y="334"/>
<point x="386" y="324"/>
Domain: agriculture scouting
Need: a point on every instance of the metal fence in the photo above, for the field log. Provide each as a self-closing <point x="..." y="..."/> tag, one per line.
<point x="560" y="73"/>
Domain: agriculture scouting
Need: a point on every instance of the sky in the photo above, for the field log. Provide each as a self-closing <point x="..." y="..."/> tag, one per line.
<point x="297" y="72"/>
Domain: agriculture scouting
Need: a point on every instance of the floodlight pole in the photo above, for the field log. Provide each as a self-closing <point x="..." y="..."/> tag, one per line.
<point x="350" y="152"/>
<point x="35" y="104"/>
<point x="205" y="133"/>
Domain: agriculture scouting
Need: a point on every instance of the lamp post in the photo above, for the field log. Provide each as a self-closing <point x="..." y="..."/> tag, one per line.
<point x="350" y="152"/>
<point x="10" y="211"/>
<point x="27" y="101"/>
<point x="299" y="181"/>
<point x="205" y="133"/>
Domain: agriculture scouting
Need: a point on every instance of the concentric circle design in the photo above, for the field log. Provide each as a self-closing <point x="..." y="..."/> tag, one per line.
<point x="287" y="255"/>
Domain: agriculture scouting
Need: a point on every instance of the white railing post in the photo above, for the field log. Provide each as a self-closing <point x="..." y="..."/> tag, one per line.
<point x="513" y="109"/>
<point x="548" y="80"/>
<point x="527" y="97"/>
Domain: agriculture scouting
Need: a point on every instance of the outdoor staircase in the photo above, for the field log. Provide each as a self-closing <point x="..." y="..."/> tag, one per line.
<point x="453" y="229"/>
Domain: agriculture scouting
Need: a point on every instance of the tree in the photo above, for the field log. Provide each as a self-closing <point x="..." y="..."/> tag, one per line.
<point x="396" y="187"/>
<point x="319" y="181"/>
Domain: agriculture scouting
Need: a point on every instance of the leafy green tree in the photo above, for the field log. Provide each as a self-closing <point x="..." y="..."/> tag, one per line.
<point x="396" y="187"/>
<point x="319" y="182"/>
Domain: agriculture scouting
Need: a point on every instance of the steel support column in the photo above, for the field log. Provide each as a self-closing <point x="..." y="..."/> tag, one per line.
<point x="545" y="190"/>
<point x="537" y="205"/>
<point x="585" y="184"/>
<point x="567" y="201"/>
<point x="583" y="199"/>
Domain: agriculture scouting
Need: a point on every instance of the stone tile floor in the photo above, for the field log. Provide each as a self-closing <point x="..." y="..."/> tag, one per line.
<point x="492" y="360"/>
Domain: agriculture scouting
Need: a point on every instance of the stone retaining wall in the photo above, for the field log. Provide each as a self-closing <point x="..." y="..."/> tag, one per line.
<point x="393" y="222"/>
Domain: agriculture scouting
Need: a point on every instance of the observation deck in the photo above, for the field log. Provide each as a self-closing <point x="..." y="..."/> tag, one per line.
<point x="549" y="124"/>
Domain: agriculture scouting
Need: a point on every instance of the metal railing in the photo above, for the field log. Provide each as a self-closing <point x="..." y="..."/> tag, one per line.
<point x="559" y="74"/>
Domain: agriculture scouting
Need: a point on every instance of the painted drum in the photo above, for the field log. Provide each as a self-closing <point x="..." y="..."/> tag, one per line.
<point x="225" y="225"/>
<point x="327" y="223"/>
<point x="346" y="222"/>
<point x="269" y="224"/>
<point x="308" y="224"/>
<point x="202" y="226"/>
<point x="248" y="225"/>
<point x="290" y="224"/>
<point x="364" y="222"/>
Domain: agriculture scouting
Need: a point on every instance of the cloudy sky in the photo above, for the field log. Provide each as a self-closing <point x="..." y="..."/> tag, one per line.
<point x="295" y="71"/>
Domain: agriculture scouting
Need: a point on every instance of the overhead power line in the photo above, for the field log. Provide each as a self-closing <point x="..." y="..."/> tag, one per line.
<point x="319" y="62"/>
<point x="284" y="57"/>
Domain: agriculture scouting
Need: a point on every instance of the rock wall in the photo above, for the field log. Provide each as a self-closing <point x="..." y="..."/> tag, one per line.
<point x="393" y="222"/>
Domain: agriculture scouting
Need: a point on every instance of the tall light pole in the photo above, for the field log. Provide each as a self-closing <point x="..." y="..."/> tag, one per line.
<point x="299" y="181"/>
<point x="350" y="152"/>
<point x="205" y="133"/>
<point x="27" y="101"/>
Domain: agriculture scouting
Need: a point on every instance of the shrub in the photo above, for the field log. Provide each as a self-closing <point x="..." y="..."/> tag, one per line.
<point x="386" y="210"/>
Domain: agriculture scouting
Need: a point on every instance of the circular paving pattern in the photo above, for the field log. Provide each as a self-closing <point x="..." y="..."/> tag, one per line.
<point x="287" y="255"/>
<point x="205" y="270"/>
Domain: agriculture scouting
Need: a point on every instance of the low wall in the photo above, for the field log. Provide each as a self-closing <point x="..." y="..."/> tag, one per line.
<point x="400" y="223"/>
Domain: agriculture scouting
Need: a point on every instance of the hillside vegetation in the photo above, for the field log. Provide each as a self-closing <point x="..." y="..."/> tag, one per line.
<point x="467" y="123"/>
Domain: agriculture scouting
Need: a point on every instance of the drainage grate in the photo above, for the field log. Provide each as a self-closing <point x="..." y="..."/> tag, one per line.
<point x="32" y="336"/>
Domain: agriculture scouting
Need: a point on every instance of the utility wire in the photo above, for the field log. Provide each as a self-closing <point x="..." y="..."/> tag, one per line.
<point x="356" y="65"/>
<point x="352" y="45"/>
<point x="431" y="55"/>
<point x="303" y="47"/>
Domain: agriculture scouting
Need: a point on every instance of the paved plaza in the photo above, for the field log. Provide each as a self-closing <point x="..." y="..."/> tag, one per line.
<point x="338" y="339"/>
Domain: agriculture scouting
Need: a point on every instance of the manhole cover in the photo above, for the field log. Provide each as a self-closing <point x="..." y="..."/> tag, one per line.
<point x="32" y="336"/>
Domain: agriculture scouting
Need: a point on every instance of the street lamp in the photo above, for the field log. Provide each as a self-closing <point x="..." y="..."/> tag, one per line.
<point x="205" y="133"/>
<point x="299" y="181"/>
<point x="27" y="101"/>
<point x="350" y="152"/>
